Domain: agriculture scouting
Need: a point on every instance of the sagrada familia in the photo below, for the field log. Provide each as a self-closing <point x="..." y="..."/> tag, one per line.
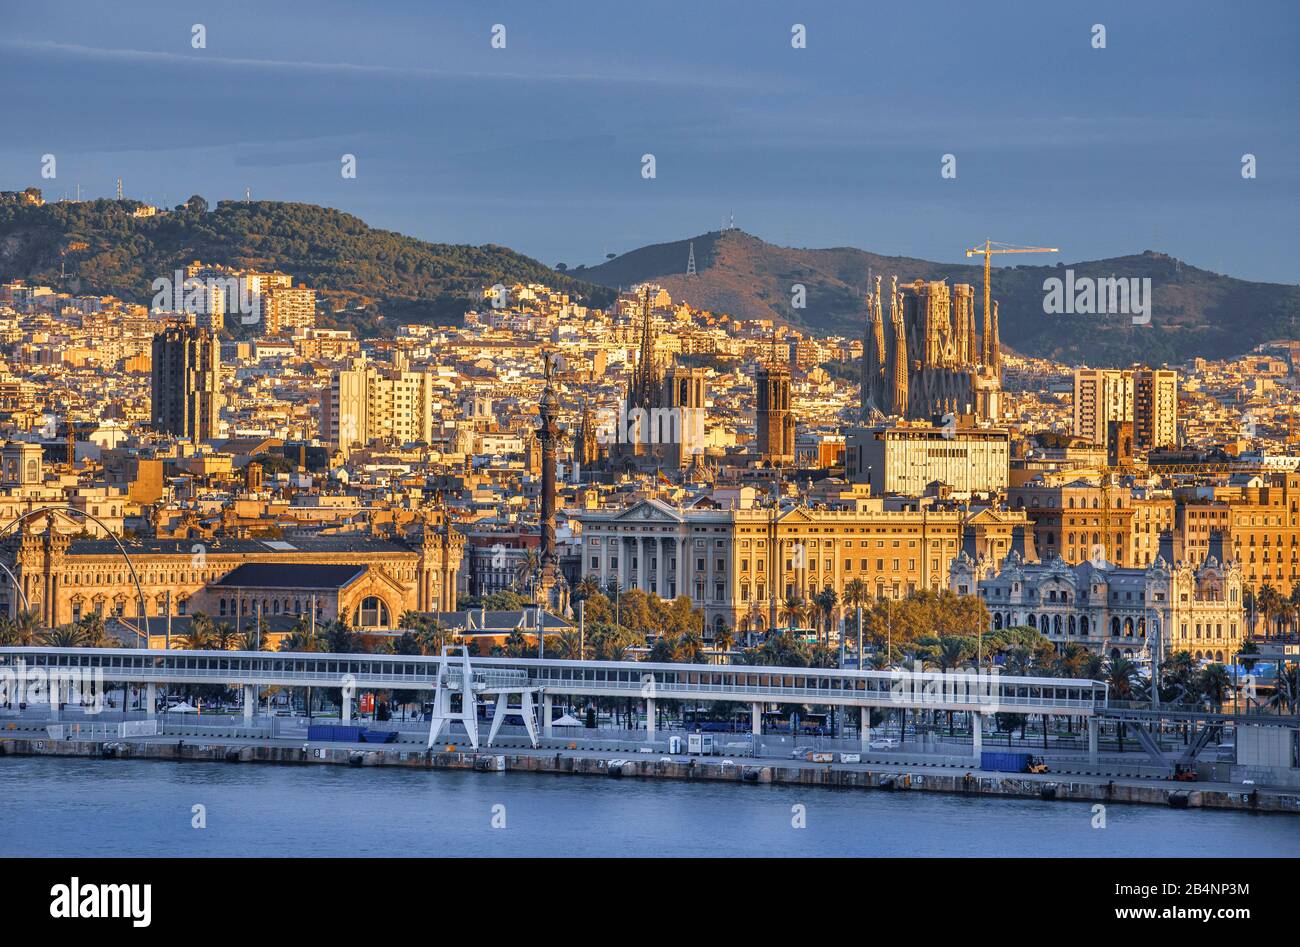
<point x="929" y="361"/>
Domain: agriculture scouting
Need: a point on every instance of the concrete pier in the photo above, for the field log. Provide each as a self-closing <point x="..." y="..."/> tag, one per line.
<point x="901" y="778"/>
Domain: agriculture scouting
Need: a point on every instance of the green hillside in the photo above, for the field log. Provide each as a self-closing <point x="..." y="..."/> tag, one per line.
<point x="375" y="279"/>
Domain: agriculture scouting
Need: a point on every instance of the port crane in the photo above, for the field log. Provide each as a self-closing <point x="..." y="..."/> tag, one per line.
<point x="991" y="247"/>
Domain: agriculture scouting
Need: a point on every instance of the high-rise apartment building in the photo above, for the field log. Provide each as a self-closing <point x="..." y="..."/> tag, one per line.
<point x="1155" y="408"/>
<point x="285" y="309"/>
<point x="186" y="397"/>
<point x="1100" y="397"/>
<point x="367" y="402"/>
<point x="1146" y="397"/>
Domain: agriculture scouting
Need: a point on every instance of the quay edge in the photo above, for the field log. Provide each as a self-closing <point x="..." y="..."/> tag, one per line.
<point x="973" y="782"/>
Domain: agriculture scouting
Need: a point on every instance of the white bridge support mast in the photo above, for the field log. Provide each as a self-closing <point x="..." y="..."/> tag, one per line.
<point x="526" y="710"/>
<point x="442" y="712"/>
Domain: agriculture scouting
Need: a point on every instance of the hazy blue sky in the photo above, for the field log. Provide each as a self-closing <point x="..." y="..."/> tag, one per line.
<point x="538" y="146"/>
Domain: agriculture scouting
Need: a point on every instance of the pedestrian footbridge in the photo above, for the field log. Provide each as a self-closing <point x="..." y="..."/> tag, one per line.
<point x="457" y="683"/>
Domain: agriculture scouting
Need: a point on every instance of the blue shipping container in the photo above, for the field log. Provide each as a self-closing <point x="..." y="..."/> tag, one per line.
<point x="334" y="733"/>
<point x="1004" y="762"/>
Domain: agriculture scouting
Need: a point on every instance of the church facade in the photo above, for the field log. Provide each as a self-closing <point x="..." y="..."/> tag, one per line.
<point x="929" y="360"/>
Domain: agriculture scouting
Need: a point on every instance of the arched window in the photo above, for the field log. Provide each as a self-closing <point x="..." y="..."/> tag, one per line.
<point x="1083" y="625"/>
<point x="371" y="613"/>
<point x="1056" y="625"/>
<point x="1114" y="627"/>
<point x="997" y="621"/>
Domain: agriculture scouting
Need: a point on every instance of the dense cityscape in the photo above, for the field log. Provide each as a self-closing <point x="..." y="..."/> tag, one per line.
<point x="724" y="469"/>
<point x="618" y="432"/>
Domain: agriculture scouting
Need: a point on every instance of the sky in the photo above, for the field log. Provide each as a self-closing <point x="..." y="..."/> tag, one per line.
<point x="539" y="145"/>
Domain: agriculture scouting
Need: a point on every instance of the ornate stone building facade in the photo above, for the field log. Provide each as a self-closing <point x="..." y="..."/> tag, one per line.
<point x="1111" y="610"/>
<point x="740" y="565"/>
<point x="369" y="580"/>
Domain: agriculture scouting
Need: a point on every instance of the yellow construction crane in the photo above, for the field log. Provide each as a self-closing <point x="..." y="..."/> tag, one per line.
<point x="991" y="247"/>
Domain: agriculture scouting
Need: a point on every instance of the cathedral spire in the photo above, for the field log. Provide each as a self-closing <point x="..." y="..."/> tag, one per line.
<point x="875" y="356"/>
<point x="995" y="346"/>
<point x="644" y="388"/>
<point x="900" y="349"/>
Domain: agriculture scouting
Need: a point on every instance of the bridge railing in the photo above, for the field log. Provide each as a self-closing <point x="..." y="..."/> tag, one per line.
<point x="960" y="690"/>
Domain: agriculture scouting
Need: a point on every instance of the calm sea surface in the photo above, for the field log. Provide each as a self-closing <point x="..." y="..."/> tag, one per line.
<point x="82" y="807"/>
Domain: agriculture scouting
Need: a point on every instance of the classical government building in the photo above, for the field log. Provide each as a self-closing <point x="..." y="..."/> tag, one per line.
<point x="369" y="580"/>
<point x="739" y="563"/>
<point x="1111" y="610"/>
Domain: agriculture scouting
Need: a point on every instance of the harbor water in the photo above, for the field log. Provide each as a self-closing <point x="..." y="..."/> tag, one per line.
<point x="93" y="807"/>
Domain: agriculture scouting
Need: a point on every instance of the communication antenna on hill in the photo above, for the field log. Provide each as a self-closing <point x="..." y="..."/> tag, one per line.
<point x="119" y="189"/>
<point x="690" y="262"/>
<point x="248" y="194"/>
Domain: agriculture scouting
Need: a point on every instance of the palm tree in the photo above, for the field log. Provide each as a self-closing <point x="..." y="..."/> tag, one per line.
<point x="822" y="656"/>
<point x="1270" y="603"/>
<point x="856" y="594"/>
<point x="338" y="638"/>
<point x="1072" y="661"/>
<point x="953" y="652"/>
<point x="200" y="636"/>
<point x="412" y="621"/>
<point x="1122" y="677"/>
<point x="826" y="601"/>
<point x="588" y="587"/>
<point x="27" y="627"/>
<point x="724" y="640"/>
<point x="299" y="639"/>
<point x="1214" y="684"/>
<point x="250" y="640"/>
<point x="792" y="608"/>
<point x="527" y="570"/>
<point x="224" y="637"/>
<point x="432" y="636"/>
<point x="95" y="631"/>
<point x="569" y="645"/>
<point x="691" y="647"/>
<point x="64" y="636"/>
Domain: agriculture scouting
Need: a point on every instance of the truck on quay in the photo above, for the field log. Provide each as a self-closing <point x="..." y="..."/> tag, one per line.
<point x="1005" y="761"/>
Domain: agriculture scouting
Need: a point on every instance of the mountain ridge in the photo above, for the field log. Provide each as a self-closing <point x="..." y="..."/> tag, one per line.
<point x="1194" y="312"/>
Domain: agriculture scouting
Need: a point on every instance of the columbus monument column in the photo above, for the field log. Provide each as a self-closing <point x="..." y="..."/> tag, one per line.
<point x="550" y="583"/>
